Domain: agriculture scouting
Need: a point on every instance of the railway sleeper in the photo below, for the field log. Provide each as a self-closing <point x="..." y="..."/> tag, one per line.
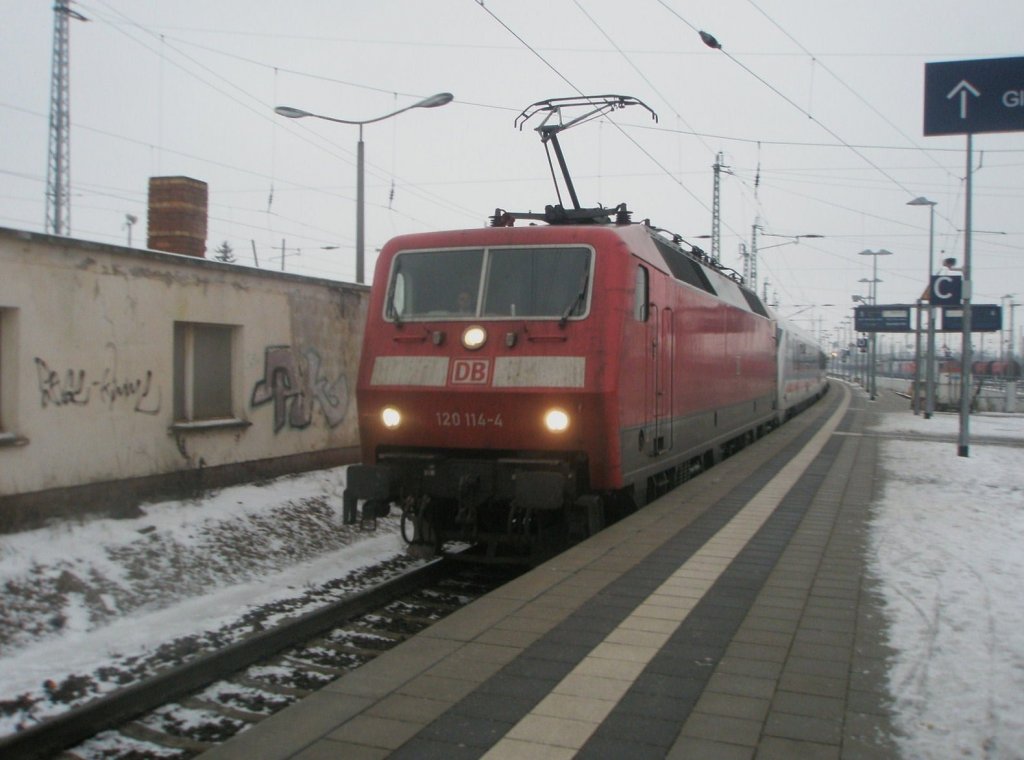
<point x="432" y="611"/>
<point x="250" y="699"/>
<point x="363" y="647"/>
<point x="356" y="651"/>
<point x="142" y="733"/>
<point x="300" y="661"/>
<point x="270" y="687"/>
<point x="361" y="630"/>
<point x="227" y="711"/>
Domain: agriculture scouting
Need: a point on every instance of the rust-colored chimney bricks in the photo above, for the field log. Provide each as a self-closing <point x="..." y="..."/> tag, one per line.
<point x="177" y="215"/>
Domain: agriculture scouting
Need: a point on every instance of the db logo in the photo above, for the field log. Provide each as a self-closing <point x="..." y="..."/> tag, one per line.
<point x="471" y="372"/>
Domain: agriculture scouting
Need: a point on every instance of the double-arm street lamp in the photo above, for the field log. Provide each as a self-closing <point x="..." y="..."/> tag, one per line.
<point x="440" y="99"/>
<point x="750" y="256"/>
<point x="750" y="259"/>
<point x="792" y="239"/>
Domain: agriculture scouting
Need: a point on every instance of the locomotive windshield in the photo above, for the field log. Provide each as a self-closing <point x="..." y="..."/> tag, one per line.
<point x="494" y="283"/>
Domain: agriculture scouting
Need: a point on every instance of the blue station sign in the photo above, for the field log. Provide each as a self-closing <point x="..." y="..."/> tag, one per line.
<point x="945" y="289"/>
<point x="984" y="318"/>
<point x="985" y="95"/>
<point x="895" y="318"/>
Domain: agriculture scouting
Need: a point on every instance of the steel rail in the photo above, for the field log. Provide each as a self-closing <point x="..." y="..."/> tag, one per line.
<point x="114" y="709"/>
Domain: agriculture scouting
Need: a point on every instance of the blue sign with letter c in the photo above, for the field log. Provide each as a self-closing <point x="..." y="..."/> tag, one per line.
<point x="945" y="289"/>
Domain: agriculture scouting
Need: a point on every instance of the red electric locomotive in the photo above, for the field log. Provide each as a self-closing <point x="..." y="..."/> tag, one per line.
<point x="519" y="383"/>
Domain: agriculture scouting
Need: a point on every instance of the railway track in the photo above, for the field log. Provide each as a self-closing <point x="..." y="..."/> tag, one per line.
<point x="186" y="709"/>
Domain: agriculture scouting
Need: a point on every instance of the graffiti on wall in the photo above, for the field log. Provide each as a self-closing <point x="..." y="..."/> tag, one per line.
<point x="77" y="387"/>
<point x="295" y="386"/>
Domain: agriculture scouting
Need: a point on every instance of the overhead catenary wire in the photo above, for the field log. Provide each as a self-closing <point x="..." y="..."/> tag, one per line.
<point x="843" y="82"/>
<point x="611" y="121"/>
<point x="649" y="83"/>
<point x="780" y="170"/>
<point x="260" y="109"/>
<point x="712" y="42"/>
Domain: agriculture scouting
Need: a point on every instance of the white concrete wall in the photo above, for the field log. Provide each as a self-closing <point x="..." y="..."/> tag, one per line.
<point x="86" y="362"/>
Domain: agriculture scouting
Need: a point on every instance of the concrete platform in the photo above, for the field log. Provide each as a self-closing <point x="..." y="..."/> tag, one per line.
<point x="732" y="618"/>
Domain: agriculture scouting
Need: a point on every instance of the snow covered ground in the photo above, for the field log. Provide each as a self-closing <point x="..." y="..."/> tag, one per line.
<point x="947" y="545"/>
<point x="76" y="598"/>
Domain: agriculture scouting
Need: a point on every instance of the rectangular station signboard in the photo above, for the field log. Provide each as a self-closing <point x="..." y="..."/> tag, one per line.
<point x="891" y="318"/>
<point x="984" y="318"/>
<point x="968" y="97"/>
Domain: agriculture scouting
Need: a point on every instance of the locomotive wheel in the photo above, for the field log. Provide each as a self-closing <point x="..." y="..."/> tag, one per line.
<point x="407" y="525"/>
<point x="419" y="521"/>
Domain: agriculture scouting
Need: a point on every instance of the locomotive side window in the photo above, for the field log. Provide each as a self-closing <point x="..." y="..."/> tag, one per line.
<point x="537" y="282"/>
<point x="642" y="295"/>
<point x="755" y="303"/>
<point x="684" y="268"/>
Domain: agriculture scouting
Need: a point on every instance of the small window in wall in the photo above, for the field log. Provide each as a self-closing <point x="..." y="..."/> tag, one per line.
<point x="202" y="371"/>
<point x="8" y="354"/>
<point x="2" y="366"/>
<point x="642" y="294"/>
<point x="3" y="372"/>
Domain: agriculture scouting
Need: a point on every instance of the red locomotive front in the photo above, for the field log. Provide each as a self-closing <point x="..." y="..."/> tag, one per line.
<point x="485" y="386"/>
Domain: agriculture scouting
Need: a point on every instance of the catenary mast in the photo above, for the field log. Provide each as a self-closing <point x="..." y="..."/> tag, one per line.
<point x="716" y="210"/>
<point x="58" y="169"/>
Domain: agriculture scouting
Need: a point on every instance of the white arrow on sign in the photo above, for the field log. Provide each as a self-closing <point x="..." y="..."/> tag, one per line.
<point x="962" y="89"/>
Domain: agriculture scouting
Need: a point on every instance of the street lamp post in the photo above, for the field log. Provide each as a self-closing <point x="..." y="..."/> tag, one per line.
<point x="1006" y="355"/>
<point x="129" y="220"/>
<point x="929" y="382"/>
<point x="440" y="99"/>
<point x="874" y="301"/>
<point x="862" y="368"/>
<point x="851" y="347"/>
<point x="845" y="330"/>
<point x="1002" y="332"/>
<point x="1013" y="312"/>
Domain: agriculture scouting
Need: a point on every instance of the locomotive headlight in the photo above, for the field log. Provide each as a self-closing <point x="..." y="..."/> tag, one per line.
<point x="473" y="337"/>
<point x="391" y="417"/>
<point x="556" y="420"/>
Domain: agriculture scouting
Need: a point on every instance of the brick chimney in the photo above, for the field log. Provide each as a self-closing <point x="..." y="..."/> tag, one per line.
<point x="177" y="215"/>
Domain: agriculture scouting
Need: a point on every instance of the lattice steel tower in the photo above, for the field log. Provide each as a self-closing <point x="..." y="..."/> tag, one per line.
<point x="58" y="169"/>
<point x="716" y="210"/>
<point x="751" y="274"/>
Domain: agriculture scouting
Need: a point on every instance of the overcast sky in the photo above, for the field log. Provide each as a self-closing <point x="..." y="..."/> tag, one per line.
<point x="817" y="108"/>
